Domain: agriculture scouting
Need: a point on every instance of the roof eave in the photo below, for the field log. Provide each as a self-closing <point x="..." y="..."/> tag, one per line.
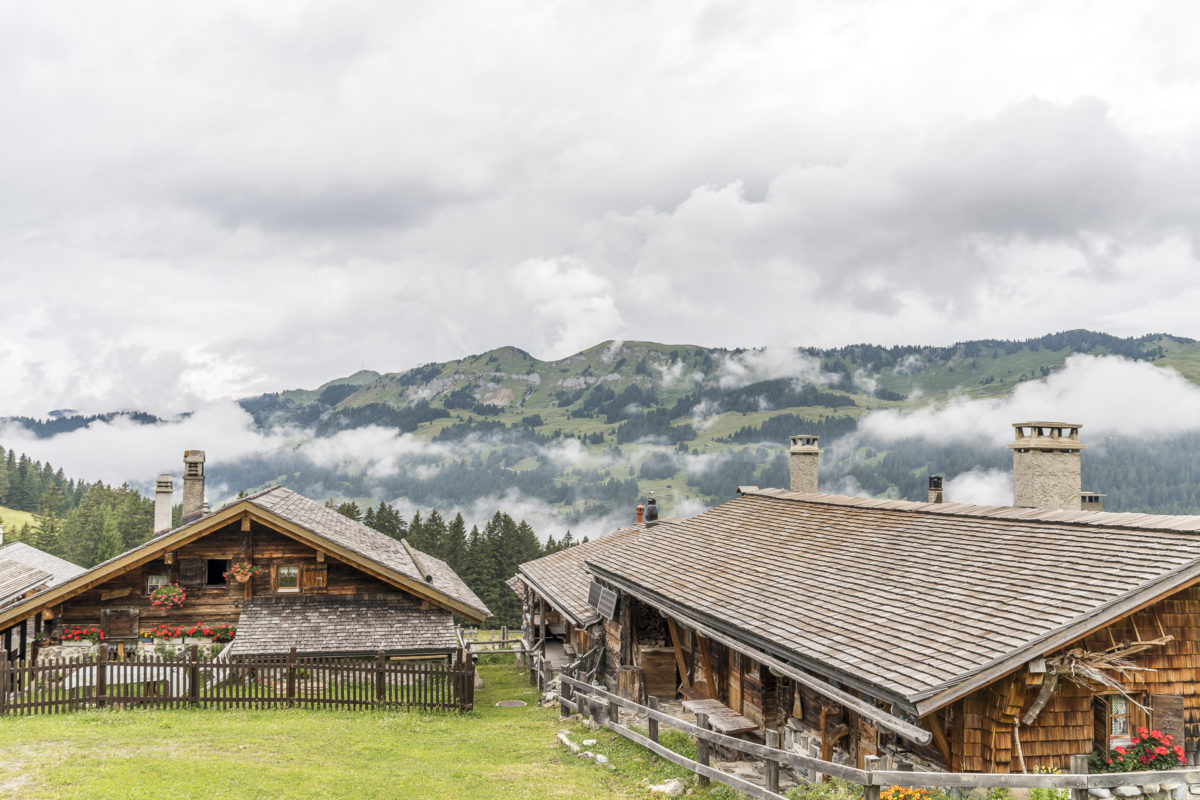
<point x="549" y="598"/>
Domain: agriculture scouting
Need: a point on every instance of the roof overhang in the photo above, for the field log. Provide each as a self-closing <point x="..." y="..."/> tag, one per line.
<point x="1097" y="619"/>
<point x="205" y="525"/>
<point x="554" y="602"/>
<point x="880" y="717"/>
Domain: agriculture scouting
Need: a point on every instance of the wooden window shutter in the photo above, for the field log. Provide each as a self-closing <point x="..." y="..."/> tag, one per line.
<point x="191" y="571"/>
<point x="1166" y="715"/>
<point x="314" y="578"/>
<point x="119" y="622"/>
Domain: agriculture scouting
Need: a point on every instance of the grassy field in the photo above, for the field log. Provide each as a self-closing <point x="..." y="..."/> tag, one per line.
<point x="12" y="519"/>
<point x="491" y="753"/>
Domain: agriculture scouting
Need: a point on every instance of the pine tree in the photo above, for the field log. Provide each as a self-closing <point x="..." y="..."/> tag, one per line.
<point x="454" y="547"/>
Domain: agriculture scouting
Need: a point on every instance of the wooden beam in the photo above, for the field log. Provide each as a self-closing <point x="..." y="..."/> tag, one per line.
<point x="709" y="676"/>
<point x="679" y="660"/>
<point x="115" y="593"/>
<point x="934" y="725"/>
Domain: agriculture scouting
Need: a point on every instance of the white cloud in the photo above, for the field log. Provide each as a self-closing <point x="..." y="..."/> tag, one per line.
<point x="985" y="487"/>
<point x="749" y="366"/>
<point x="1108" y="395"/>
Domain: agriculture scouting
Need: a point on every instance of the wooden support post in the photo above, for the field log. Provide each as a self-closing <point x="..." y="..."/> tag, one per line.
<point x="381" y="677"/>
<point x="8" y="640"/>
<point x="542" y="624"/>
<point x="772" y="740"/>
<point x="291" y="677"/>
<point x="871" y="792"/>
<point x="5" y="679"/>
<point x="194" y="674"/>
<point x="702" y="747"/>
<point x="1079" y="766"/>
<point x="652" y="723"/>
<point x="710" y="677"/>
<point x="533" y="672"/>
<point x="680" y="663"/>
<point x="102" y="676"/>
<point x="814" y="751"/>
<point x="21" y="645"/>
<point x="614" y="712"/>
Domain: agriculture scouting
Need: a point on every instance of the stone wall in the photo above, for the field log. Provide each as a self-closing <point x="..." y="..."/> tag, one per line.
<point x="1150" y="791"/>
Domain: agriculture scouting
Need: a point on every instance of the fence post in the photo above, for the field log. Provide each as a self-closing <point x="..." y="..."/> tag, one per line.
<point x="651" y="722"/>
<point x="101" y="675"/>
<point x="614" y="711"/>
<point x="380" y="679"/>
<point x="814" y="751"/>
<point x="5" y="678"/>
<point x="291" y="677"/>
<point x="702" y="746"/>
<point x="1079" y="766"/>
<point x="871" y="789"/>
<point x="194" y="674"/>
<point x="533" y="672"/>
<point x="772" y="765"/>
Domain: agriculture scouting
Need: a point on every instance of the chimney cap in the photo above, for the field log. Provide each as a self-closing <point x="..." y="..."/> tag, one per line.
<point x="1046" y="436"/>
<point x="804" y="442"/>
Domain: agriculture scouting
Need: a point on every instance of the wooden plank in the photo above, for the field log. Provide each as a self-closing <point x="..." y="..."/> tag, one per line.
<point x="710" y="677"/>
<point x="732" y="781"/>
<point x="680" y="663"/>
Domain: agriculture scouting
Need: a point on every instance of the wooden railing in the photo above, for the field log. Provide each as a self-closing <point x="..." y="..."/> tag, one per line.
<point x="604" y="708"/>
<point x="53" y="686"/>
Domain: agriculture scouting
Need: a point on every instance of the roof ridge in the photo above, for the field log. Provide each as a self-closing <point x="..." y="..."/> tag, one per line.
<point x="1128" y="520"/>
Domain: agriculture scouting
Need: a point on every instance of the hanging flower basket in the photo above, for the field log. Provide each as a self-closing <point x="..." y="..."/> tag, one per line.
<point x="168" y="596"/>
<point x="242" y="572"/>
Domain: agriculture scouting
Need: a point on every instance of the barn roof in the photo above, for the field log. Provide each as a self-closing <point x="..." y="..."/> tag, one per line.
<point x="58" y="569"/>
<point x="332" y="624"/>
<point x="16" y="579"/>
<point x="912" y="602"/>
<point x="561" y="580"/>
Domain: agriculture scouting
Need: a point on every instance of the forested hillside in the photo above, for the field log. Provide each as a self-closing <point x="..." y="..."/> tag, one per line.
<point x="81" y="522"/>
<point x="576" y="443"/>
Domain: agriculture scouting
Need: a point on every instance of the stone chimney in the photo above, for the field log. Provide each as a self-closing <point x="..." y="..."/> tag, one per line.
<point x="193" y="484"/>
<point x="1091" y="501"/>
<point x="935" y="488"/>
<point x="1047" y="465"/>
<point x="803" y="458"/>
<point x="164" y="498"/>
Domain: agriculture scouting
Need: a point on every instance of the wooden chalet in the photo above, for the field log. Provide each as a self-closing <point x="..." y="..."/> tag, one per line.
<point x="327" y="585"/>
<point x="960" y="637"/>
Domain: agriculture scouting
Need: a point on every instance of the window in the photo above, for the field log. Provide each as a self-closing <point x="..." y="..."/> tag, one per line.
<point x="155" y="580"/>
<point x="1119" y="726"/>
<point x="214" y="571"/>
<point x="287" y="578"/>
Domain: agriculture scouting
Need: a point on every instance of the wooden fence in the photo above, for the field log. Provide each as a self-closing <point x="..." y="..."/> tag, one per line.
<point x="54" y="686"/>
<point x="605" y="707"/>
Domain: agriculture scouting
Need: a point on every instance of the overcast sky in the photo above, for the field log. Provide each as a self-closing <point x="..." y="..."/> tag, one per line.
<point x="208" y="200"/>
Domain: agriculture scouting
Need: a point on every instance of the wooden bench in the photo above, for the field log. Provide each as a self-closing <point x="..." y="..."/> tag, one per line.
<point x="721" y="718"/>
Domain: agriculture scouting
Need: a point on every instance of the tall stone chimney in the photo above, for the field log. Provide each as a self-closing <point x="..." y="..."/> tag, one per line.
<point x="1047" y="465"/>
<point x="935" y="488"/>
<point x="164" y="498"/>
<point x="803" y="458"/>
<point x="193" y="484"/>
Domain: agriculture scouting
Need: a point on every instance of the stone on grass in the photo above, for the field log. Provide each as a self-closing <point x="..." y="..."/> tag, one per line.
<point x="589" y="742"/>
<point x="601" y="759"/>
<point x="672" y="788"/>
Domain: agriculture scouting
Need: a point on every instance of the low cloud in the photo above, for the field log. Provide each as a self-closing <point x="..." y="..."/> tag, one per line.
<point x="1108" y="395"/>
<point x="769" y="363"/>
<point x="985" y="487"/>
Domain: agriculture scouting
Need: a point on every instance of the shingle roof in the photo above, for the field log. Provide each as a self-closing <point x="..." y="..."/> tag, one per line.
<point x="366" y="542"/>
<point x="562" y="580"/>
<point x="906" y="597"/>
<point x="16" y="579"/>
<point x="336" y="624"/>
<point x="59" y="569"/>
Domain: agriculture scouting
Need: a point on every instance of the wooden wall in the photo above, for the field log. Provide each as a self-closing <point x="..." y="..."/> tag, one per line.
<point x="125" y="596"/>
<point x="982" y="722"/>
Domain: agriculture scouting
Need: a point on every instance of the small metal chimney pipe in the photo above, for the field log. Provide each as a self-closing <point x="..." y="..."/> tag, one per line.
<point x="164" y="498"/>
<point x="651" y="512"/>
<point x="935" y="488"/>
<point x="193" y="484"/>
<point x="804" y="463"/>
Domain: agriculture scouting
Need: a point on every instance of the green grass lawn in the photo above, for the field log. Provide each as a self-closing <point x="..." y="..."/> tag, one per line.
<point x="12" y="519"/>
<point x="490" y="753"/>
